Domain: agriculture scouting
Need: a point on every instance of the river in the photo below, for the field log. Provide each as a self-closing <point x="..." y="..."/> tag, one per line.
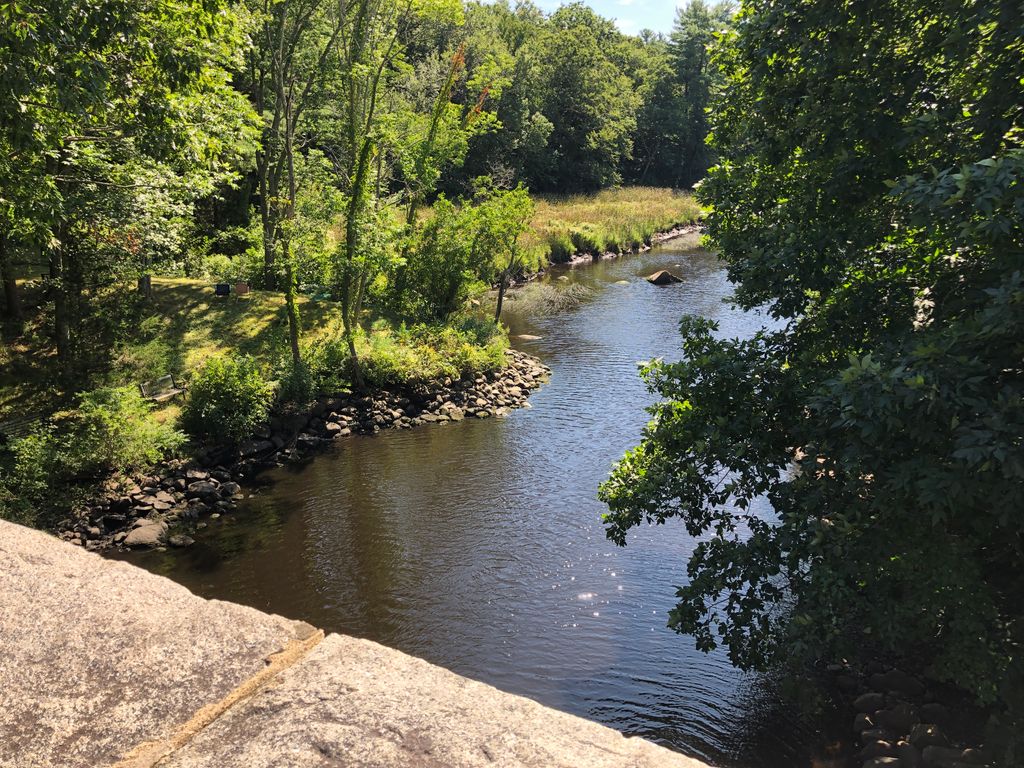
<point x="478" y="545"/>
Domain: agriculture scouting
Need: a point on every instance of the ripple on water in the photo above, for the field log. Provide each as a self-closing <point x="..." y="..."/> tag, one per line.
<point x="479" y="545"/>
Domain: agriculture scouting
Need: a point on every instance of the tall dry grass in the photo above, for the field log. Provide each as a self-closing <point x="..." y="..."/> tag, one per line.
<point x="615" y="220"/>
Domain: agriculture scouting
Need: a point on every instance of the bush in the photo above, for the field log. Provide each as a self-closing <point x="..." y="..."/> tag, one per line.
<point x="298" y="383"/>
<point x="425" y="352"/>
<point x="115" y="430"/>
<point x="560" y="247"/>
<point x="227" y="401"/>
<point x="111" y="430"/>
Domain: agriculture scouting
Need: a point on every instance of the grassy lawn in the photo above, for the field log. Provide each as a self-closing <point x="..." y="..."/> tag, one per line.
<point x="196" y="324"/>
<point x="176" y="332"/>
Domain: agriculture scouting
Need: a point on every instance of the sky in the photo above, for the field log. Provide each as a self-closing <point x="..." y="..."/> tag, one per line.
<point x="630" y="15"/>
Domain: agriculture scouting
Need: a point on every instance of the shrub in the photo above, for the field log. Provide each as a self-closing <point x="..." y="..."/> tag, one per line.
<point x="429" y="352"/>
<point x="111" y="430"/>
<point x="560" y="247"/>
<point x="115" y="430"/>
<point x="227" y="401"/>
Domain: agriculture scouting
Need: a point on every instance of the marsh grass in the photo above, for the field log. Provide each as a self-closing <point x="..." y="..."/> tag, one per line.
<point x="538" y="299"/>
<point x="615" y="220"/>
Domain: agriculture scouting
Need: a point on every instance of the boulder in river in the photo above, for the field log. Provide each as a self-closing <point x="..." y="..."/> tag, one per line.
<point x="663" y="277"/>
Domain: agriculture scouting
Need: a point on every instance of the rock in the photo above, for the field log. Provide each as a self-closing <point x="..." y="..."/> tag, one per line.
<point x="862" y="722"/>
<point x="151" y="535"/>
<point x="869" y="702"/>
<point x="933" y="712"/>
<point x="663" y="277"/>
<point x="94" y="532"/>
<point x="203" y="489"/>
<point x="197" y="474"/>
<point x="909" y="755"/>
<point x="898" y="681"/>
<point x="181" y="540"/>
<point x="483" y="413"/>
<point x="971" y="756"/>
<point x="333" y="428"/>
<point x="876" y="734"/>
<point x="252" y="448"/>
<point x="528" y="337"/>
<point x="846" y="683"/>
<point x="935" y="756"/>
<point x="877" y="748"/>
<point x="900" y="718"/>
<point x="924" y="735"/>
<point x="229" y="489"/>
<point x="883" y="762"/>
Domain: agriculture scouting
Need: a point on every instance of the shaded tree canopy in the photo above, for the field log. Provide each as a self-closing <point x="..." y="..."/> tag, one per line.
<point x="870" y="195"/>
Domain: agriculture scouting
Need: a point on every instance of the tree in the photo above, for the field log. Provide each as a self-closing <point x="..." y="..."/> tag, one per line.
<point x="473" y="243"/>
<point x="288" y="68"/>
<point x="589" y="101"/>
<point x="109" y="109"/>
<point x="869" y="195"/>
<point x="672" y="127"/>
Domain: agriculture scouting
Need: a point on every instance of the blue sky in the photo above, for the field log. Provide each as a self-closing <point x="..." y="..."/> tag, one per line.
<point x="630" y="15"/>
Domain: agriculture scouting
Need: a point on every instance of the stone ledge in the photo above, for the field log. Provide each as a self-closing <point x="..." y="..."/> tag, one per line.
<point x="101" y="660"/>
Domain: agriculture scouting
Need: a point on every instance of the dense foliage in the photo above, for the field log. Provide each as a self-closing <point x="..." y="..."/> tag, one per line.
<point x="109" y="430"/>
<point x="870" y="195"/>
<point x="227" y="401"/>
<point x="375" y="153"/>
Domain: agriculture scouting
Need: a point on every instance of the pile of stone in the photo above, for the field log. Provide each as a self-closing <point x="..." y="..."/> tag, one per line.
<point x="492" y="394"/>
<point x="140" y="512"/>
<point x="899" y="724"/>
<point x="153" y="511"/>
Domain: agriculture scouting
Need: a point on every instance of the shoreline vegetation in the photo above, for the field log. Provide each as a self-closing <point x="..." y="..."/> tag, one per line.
<point x="411" y="376"/>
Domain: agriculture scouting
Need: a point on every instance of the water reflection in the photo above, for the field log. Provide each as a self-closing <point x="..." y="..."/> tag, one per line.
<point x="478" y="545"/>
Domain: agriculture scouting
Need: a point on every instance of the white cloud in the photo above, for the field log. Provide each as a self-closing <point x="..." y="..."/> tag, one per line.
<point x="628" y="26"/>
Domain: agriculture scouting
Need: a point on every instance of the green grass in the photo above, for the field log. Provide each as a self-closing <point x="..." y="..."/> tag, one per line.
<point x="185" y="324"/>
<point x="615" y="220"/>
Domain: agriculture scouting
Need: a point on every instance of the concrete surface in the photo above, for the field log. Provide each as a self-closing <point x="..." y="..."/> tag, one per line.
<point x="104" y="664"/>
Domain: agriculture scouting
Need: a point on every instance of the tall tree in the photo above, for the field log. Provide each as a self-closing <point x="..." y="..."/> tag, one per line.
<point x="102" y="104"/>
<point x="672" y="127"/>
<point x="870" y="195"/>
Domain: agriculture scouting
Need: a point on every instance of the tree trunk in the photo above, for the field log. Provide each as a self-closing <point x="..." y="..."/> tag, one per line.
<point x="12" y="301"/>
<point x="294" y="322"/>
<point x="266" y="219"/>
<point x="502" y="285"/>
<point x="61" y="323"/>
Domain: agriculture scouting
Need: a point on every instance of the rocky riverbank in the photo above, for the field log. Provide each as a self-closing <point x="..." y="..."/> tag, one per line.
<point x="164" y="508"/>
<point x="901" y="722"/>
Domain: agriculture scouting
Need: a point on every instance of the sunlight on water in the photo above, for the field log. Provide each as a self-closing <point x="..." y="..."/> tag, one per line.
<point x="479" y="545"/>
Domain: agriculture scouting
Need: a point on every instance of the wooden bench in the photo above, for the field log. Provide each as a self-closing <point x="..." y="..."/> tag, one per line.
<point x="161" y="389"/>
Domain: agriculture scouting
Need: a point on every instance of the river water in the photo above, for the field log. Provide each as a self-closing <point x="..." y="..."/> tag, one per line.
<point x="478" y="545"/>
